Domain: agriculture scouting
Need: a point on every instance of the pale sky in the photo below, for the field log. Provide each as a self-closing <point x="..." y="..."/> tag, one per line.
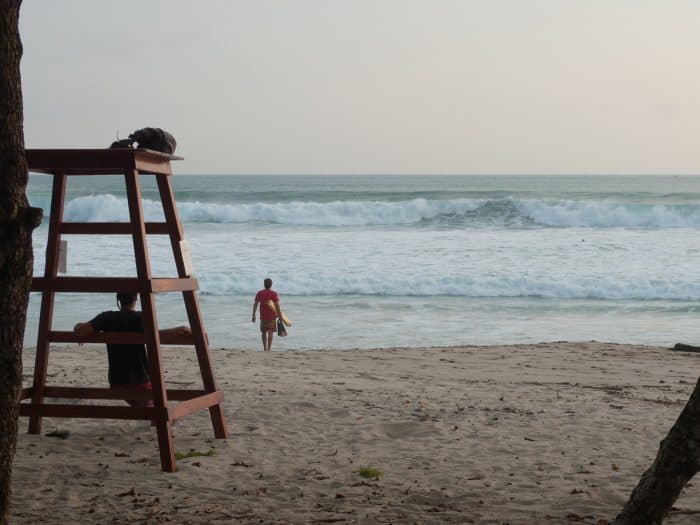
<point x="373" y="86"/>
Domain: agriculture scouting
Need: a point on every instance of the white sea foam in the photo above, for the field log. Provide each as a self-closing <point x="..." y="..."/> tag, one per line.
<point x="107" y="208"/>
<point x="504" y="258"/>
<point x="593" y="214"/>
<point x="502" y="286"/>
<point x="455" y="212"/>
<point x="97" y="208"/>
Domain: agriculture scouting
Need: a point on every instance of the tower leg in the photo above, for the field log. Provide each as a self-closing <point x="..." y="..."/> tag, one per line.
<point x="165" y="445"/>
<point x="204" y="360"/>
<point x="47" y="298"/>
<point x="191" y="304"/>
<point x="160" y="397"/>
<point x="150" y="323"/>
<point x="41" y="360"/>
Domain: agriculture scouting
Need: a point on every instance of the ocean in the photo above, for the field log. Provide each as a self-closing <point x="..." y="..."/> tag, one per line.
<point x="379" y="261"/>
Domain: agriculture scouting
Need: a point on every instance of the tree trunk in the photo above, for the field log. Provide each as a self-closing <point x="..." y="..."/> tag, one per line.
<point x="676" y="462"/>
<point x="17" y="220"/>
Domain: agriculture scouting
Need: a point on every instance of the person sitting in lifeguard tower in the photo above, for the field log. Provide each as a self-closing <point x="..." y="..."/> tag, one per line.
<point x="128" y="363"/>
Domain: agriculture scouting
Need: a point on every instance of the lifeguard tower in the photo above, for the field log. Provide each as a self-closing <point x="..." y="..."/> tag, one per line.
<point x="131" y="163"/>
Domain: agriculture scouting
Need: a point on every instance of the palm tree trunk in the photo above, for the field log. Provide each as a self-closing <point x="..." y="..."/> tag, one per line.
<point x="17" y="221"/>
<point x="677" y="461"/>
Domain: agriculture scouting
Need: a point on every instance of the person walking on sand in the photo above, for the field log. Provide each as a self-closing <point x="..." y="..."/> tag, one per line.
<point x="268" y="316"/>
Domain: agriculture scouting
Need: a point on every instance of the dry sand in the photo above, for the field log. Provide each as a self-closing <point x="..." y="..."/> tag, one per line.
<point x="548" y="433"/>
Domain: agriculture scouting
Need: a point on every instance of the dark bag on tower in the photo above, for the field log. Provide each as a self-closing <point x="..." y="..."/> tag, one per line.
<point x="155" y="139"/>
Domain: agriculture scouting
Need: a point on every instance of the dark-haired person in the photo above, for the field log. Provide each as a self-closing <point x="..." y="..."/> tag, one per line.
<point x="128" y="363"/>
<point x="268" y="316"/>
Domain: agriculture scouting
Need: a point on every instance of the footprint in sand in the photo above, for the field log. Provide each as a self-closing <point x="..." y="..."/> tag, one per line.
<point x="401" y="430"/>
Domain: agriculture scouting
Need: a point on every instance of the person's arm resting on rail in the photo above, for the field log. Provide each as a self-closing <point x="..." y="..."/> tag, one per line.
<point x="174" y="335"/>
<point x="83" y="331"/>
<point x="167" y="336"/>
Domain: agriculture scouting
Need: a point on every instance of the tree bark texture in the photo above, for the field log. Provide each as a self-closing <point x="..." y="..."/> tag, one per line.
<point x="676" y="462"/>
<point x="17" y="221"/>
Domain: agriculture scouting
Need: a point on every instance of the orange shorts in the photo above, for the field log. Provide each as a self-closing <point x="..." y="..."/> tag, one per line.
<point x="268" y="326"/>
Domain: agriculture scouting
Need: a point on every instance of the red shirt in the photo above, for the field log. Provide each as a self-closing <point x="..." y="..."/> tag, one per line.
<point x="262" y="297"/>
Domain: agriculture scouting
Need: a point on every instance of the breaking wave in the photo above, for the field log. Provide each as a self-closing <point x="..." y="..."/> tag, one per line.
<point x="610" y="288"/>
<point x="462" y="212"/>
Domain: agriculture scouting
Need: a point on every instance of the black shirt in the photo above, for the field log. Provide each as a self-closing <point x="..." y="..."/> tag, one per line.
<point x="128" y="364"/>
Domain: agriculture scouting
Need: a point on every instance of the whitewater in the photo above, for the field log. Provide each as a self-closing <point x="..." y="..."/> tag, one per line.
<point x="372" y="261"/>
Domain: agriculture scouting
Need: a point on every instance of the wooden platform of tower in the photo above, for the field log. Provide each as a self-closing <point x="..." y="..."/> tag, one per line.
<point x="168" y="405"/>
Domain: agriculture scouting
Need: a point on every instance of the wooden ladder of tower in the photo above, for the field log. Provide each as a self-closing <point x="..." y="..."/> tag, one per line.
<point x="131" y="163"/>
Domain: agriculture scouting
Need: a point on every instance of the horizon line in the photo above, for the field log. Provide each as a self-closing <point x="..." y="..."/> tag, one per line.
<point x="242" y="174"/>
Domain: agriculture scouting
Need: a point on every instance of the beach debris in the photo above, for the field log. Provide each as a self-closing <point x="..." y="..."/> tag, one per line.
<point x="241" y="464"/>
<point x="130" y="492"/>
<point x="681" y="347"/>
<point x="55" y="432"/>
<point x="194" y="453"/>
<point x="316" y="474"/>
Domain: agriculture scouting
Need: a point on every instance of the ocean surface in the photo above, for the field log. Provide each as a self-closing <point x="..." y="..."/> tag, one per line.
<point x="377" y="261"/>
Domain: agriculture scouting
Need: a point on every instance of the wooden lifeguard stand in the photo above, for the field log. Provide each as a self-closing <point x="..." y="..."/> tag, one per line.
<point x="131" y="163"/>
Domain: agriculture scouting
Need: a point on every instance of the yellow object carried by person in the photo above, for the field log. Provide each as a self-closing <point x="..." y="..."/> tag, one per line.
<point x="275" y="308"/>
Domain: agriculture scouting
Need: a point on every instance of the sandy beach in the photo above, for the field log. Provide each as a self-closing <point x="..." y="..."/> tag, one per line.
<point x="546" y="433"/>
